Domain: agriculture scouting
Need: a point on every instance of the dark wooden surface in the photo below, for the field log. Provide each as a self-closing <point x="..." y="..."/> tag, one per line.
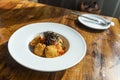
<point x="102" y="59"/>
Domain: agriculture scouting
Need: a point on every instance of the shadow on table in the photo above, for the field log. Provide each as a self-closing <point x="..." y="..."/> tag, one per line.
<point x="10" y="69"/>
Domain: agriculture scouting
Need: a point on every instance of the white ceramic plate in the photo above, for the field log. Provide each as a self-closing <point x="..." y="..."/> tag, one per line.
<point x="91" y="24"/>
<point x="18" y="47"/>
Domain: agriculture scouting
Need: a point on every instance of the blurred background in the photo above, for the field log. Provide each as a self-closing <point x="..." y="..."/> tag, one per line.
<point x="103" y="7"/>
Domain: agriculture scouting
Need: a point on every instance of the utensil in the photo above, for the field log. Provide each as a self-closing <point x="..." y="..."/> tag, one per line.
<point x="94" y="20"/>
<point x="91" y="24"/>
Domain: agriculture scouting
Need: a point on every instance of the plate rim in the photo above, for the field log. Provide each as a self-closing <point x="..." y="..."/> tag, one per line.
<point x="88" y="14"/>
<point x="85" y="47"/>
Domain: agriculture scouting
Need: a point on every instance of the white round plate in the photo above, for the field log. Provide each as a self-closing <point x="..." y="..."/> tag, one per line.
<point x="91" y="24"/>
<point x="18" y="47"/>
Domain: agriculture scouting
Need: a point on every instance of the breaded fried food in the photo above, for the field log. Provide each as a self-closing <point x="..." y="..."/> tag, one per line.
<point x="39" y="49"/>
<point x="51" y="51"/>
<point x="35" y="41"/>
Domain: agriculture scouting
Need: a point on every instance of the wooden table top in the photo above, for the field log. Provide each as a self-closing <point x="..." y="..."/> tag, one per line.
<point x="102" y="59"/>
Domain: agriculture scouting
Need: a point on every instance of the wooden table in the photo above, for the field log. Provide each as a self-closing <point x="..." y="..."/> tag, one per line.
<point x="102" y="59"/>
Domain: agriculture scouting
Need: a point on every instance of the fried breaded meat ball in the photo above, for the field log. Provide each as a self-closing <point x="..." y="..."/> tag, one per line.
<point x="39" y="49"/>
<point x="51" y="51"/>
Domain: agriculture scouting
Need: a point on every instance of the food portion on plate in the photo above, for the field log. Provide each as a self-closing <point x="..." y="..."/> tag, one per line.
<point x="48" y="45"/>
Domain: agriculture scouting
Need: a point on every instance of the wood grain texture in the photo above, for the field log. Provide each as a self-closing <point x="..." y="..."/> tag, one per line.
<point x="103" y="46"/>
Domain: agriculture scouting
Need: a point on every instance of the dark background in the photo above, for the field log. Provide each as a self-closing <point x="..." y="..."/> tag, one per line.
<point x="107" y="7"/>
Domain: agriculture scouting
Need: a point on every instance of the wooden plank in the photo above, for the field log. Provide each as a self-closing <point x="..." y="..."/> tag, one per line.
<point x="103" y="50"/>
